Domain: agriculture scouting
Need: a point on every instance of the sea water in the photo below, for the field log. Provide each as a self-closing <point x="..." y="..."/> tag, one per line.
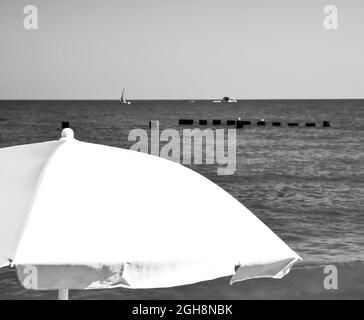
<point x="306" y="184"/>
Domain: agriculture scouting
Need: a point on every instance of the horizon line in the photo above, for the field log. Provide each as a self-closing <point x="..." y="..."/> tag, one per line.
<point x="188" y="99"/>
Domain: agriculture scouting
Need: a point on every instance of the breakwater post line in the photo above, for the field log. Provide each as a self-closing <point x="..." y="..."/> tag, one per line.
<point x="240" y="123"/>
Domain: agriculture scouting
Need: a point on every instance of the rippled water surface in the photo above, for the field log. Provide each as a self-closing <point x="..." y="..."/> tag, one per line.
<point x="306" y="184"/>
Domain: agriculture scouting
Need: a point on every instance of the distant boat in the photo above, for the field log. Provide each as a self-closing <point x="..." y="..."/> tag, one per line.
<point x="123" y="97"/>
<point x="227" y="99"/>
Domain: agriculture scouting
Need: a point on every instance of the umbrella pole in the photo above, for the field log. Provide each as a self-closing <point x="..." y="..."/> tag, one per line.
<point x="62" y="294"/>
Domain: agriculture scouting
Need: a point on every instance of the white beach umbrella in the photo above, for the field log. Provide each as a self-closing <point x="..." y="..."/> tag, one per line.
<point x="82" y="216"/>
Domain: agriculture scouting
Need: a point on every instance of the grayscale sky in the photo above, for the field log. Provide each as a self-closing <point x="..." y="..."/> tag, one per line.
<point x="169" y="49"/>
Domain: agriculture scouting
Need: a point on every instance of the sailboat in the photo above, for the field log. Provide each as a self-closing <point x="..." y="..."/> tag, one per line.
<point x="123" y="97"/>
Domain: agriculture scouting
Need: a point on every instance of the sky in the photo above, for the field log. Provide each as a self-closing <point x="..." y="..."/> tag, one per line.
<point x="187" y="49"/>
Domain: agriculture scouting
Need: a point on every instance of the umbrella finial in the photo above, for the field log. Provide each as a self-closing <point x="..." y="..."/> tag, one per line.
<point x="67" y="133"/>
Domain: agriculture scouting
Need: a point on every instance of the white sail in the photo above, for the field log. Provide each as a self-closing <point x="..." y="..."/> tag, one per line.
<point x="123" y="97"/>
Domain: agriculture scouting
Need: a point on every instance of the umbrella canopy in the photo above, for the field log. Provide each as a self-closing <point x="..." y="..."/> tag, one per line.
<point x="92" y="216"/>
